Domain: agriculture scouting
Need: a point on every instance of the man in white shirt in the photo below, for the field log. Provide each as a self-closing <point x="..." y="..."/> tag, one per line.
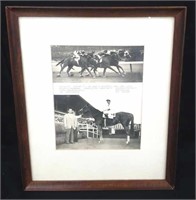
<point x="108" y="112"/>
<point x="70" y="124"/>
<point x="76" y="56"/>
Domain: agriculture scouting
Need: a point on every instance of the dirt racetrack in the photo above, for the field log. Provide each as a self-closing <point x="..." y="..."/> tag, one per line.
<point x="135" y="76"/>
<point x="116" y="141"/>
<point x="107" y="143"/>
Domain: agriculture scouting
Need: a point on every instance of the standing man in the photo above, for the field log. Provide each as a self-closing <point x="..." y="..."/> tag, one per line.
<point x="76" y="131"/>
<point x="70" y="124"/>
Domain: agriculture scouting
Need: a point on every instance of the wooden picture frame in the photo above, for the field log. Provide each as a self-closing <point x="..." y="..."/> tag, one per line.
<point x="13" y="15"/>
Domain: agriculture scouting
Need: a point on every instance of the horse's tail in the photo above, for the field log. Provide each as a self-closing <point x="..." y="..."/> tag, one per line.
<point x="60" y="62"/>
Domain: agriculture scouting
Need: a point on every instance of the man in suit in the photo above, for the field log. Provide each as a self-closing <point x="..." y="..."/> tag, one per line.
<point x="76" y="131"/>
<point x="70" y="124"/>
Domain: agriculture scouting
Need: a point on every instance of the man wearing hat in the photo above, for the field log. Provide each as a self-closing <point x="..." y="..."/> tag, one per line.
<point x="70" y="124"/>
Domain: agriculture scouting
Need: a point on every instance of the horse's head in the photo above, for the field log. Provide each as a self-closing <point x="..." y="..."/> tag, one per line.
<point x="127" y="55"/>
<point x="96" y="58"/>
<point x="121" y="53"/>
<point x="115" y="56"/>
<point x="85" y="111"/>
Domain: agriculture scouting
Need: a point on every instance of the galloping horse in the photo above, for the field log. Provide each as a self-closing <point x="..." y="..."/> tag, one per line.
<point x="94" y="63"/>
<point x="121" y="117"/>
<point x="108" y="61"/>
<point x="124" y="55"/>
<point x="89" y="60"/>
<point x="70" y="62"/>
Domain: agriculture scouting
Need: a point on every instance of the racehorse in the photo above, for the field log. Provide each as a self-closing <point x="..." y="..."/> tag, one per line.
<point x="124" y="55"/>
<point x="70" y="62"/>
<point x="121" y="117"/>
<point x="108" y="61"/>
<point x="94" y="63"/>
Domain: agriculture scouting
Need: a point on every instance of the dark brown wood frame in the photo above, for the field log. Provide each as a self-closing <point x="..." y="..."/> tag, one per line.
<point x="13" y="14"/>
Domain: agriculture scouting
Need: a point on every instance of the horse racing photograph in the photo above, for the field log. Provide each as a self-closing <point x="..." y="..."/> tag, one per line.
<point x="98" y="122"/>
<point x="80" y="64"/>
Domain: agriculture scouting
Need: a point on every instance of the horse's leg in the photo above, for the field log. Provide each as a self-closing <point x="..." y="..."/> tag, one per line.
<point x="123" y="72"/>
<point x="89" y="71"/>
<point x="68" y="70"/>
<point x="104" y="71"/>
<point x="126" y="128"/>
<point x="119" y="70"/>
<point x="129" y="129"/>
<point x="109" y="67"/>
<point x="113" y="70"/>
<point x="62" y="68"/>
<point x="100" y="133"/>
<point x="132" y="126"/>
<point x="92" y="68"/>
<point x="95" y="70"/>
<point x="104" y="68"/>
<point x="81" y="72"/>
<point x="64" y="63"/>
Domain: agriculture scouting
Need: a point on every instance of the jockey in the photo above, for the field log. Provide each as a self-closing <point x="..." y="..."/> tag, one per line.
<point x="101" y="54"/>
<point x="91" y="53"/>
<point x="82" y="53"/>
<point x="99" y="58"/>
<point x="106" y="52"/>
<point x="108" y="112"/>
<point x="113" y="51"/>
<point x="76" y="56"/>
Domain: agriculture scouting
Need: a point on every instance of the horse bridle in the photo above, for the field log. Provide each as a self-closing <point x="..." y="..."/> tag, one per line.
<point x="89" y="110"/>
<point x="82" y="108"/>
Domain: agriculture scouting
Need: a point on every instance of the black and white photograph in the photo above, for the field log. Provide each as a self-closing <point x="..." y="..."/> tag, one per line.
<point x="98" y="122"/>
<point x="78" y="64"/>
<point x="96" y="96"/>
